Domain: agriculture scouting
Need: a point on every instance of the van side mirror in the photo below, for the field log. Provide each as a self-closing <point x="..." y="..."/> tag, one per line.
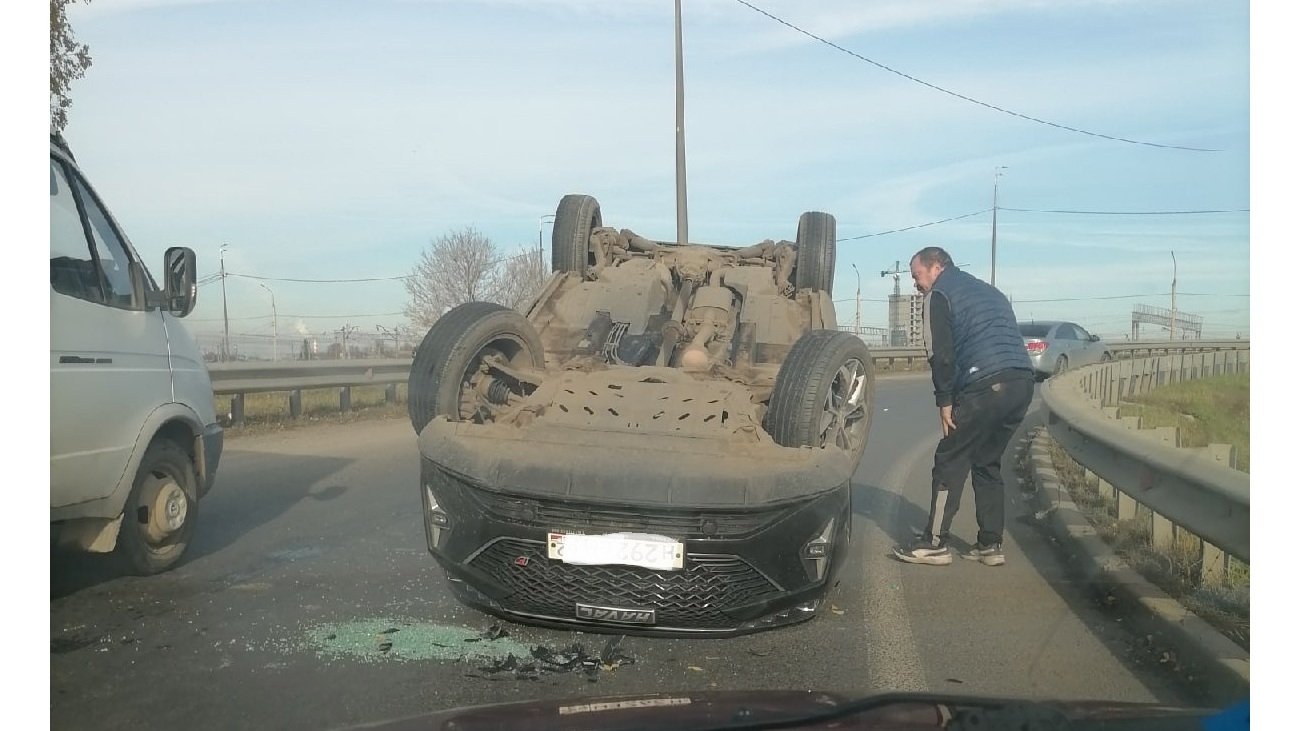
<point x="180" y="288"/>
<point x="1095" y="338"/>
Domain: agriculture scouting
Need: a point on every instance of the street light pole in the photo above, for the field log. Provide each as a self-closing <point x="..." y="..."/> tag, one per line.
<point x="1173" y="299"/>
<point x="275" y="331"/>
<point x="857" y="298"/>
<point x="541" y="257"/>
<point x="225" y="313"/>
<point x="993" y="268"/>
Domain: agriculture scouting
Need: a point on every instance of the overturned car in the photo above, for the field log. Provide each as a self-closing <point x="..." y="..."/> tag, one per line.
<point x="662" y="444"/>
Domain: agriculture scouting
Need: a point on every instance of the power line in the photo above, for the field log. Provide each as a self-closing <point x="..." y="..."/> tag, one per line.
<point x="1118" y="297"/>
<point x="1126" y="213"/>
<point x="222" y="319"/>
<point x="329" y="317"/>
<point x="320" y="281"/>
<point x="963" y="97"/>
<point x="919" y="225"/>
<point x="512" y="257"/>
<point x="1102" y="298"/>
<point x="494" y="262"/>
<point x="1037" y="210"/>
<point x="301" y="317"/>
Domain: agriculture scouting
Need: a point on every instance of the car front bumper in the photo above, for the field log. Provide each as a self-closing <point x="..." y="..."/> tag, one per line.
<point x="748" y="563"/>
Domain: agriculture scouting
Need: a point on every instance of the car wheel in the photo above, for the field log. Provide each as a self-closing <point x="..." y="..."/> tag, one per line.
<point x="446" y="376"/>
<point x="1106" y="357"/>
<point x="823" y="394"/>
<point x="575" y="218"/>
<point x="814" y="260"/>
<point x="1062" y="363"/>
<point x="158" y="520"/>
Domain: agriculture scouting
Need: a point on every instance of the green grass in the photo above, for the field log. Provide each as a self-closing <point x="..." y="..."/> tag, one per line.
<point x="1205" y="410"/>
<point x="1224" y="602"/>
<point x="269" y="411"/>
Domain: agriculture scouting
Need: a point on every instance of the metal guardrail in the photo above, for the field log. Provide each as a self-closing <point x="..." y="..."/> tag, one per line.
<point x="255" y="377"/>
<point x="889" y="356"/>
<point x="237" y="379"/>
<point x="1188" y="488"/>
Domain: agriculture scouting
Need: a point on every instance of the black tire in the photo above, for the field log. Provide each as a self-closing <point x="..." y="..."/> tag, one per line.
<point x="575" y="218"/>
<point x="159" y="516"/>
<point x="454" y="345"/>
<point x="1062" y="365"/>
<point x="1107" y="357"/>
<point x="814" y="259"/>
<point x="800" y="396"/>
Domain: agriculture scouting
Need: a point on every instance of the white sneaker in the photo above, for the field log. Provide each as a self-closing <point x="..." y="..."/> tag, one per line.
<point x="987" y="555"/>
<point x="924" y="552"/>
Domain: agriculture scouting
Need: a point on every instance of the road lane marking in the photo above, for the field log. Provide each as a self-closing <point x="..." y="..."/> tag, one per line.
<point x="893" y="662"/>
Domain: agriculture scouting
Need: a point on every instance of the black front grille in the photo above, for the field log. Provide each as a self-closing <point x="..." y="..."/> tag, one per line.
<point x="583" y="518"/>
<point x="694" y="597"/>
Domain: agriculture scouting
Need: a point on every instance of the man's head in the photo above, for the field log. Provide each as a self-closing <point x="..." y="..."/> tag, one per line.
<point x="927" y="265"/>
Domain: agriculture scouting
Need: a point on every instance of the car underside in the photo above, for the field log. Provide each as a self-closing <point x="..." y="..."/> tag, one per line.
<point x="663" y="443"/>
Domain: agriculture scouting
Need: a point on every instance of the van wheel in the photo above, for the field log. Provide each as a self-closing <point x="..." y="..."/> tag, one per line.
<point x="158" y="520"/>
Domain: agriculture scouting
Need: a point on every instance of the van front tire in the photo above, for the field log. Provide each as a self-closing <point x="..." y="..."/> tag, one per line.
<point x="158" y="520"/>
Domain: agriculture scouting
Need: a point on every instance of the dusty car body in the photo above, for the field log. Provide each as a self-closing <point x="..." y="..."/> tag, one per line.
<point x="662" y="444"/>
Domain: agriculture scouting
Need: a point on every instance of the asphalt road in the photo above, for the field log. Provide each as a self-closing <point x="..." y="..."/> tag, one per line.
<point x="309" y="554"/>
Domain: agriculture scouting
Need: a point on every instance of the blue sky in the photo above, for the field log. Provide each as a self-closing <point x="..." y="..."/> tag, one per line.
<point x="334" y="140"/>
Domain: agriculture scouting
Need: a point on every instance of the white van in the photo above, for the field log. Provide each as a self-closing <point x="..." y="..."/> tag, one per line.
<point x="134" y="438"/>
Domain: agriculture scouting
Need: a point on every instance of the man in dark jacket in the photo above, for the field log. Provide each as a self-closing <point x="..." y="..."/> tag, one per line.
<point x="983" y="383"/>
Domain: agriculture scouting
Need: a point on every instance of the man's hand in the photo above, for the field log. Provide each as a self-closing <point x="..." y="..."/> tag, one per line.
<point x="945" y="419"/>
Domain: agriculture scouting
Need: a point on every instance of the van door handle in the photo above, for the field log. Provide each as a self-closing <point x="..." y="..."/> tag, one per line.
<point x="78" y="359"/>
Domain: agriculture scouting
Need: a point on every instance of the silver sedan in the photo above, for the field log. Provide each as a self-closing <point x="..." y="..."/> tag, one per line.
<point x="1055" y="346"/>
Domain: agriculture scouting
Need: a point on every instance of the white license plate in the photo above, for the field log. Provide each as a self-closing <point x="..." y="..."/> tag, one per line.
<point x="628" y="549"/>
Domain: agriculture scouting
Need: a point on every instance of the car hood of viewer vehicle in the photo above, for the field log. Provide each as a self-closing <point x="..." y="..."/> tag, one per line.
<point x="735" y="710"/>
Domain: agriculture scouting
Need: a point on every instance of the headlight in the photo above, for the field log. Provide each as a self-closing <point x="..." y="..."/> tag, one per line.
<point x="436" y="519"/>
<point x="817" y="552"/>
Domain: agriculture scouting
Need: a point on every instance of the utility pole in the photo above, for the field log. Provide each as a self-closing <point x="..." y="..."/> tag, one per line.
<point x="225" y="314"/>
<point x="993" y="267"/>
<point x="275" y="330"/>
<point x="682" y="235"/>
<point x="345" y="332"/>
<point x="1173" y="299"/>
<point x="857" y="309"/>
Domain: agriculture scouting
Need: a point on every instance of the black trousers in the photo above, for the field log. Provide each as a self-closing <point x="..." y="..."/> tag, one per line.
<point x="987" y="416"/>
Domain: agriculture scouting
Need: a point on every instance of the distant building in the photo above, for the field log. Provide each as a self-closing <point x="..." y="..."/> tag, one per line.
<point x="905" y="319"/>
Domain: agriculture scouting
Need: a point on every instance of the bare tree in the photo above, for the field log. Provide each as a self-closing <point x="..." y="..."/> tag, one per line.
<point x="522" y="278"/>
<point x="460" y="267"/>
<point x="68" y="62"/>
<point x="465" y="266"/>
